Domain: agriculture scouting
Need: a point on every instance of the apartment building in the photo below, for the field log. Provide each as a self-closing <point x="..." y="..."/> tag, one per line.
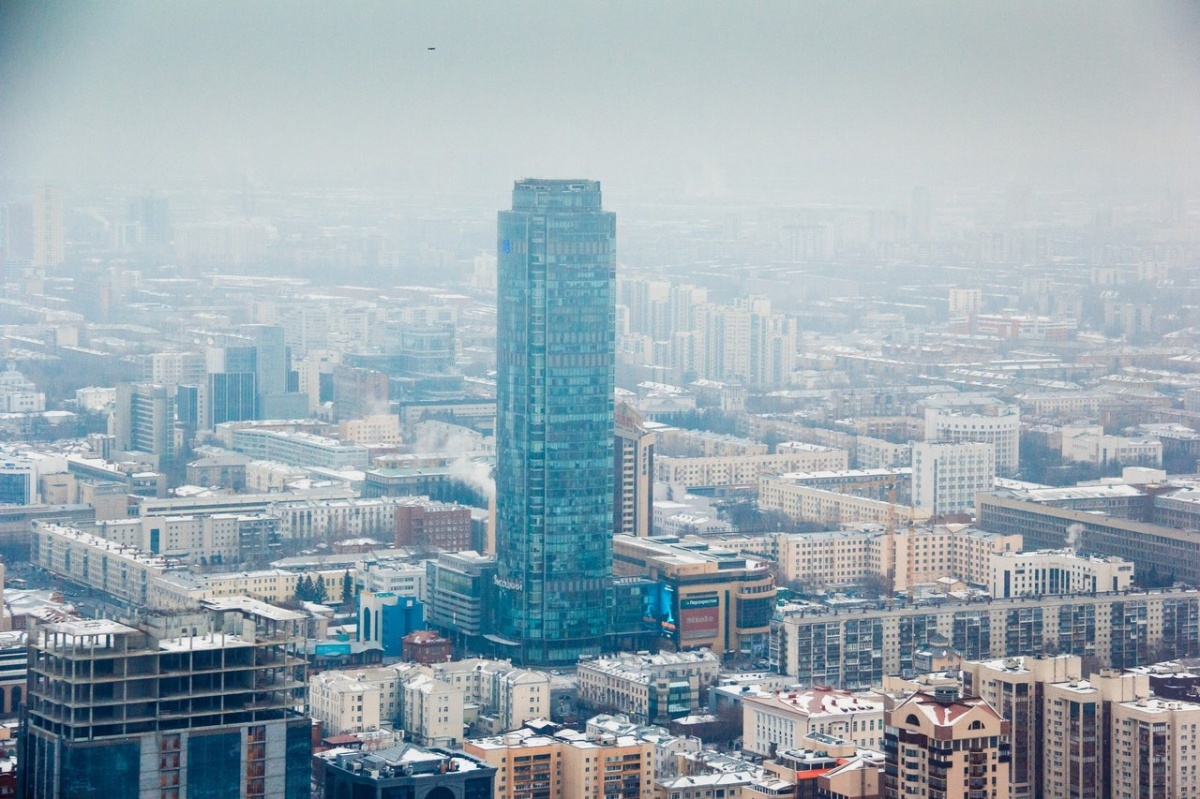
<point x="334" y="519"/>
<point x="426" y="525"/>
<point x="1072" y="740"/>
<point x="907" y="557"/>
<point x="353" y="701"/>
<point x="677" y="442"/>
<point x="789" y="494"/>
<point x="745" y="470"/>
<point x="634" y="446"/>
<point x="953" y="747"/>
<point x="379" y="429"/>
<point x="1015" y="688"/>
<point x="431" y="711"/>
<point x="527" y="764"/>
<point x="219" y="538"/>
<point x="507" y="696"/>
<point x="1067" y="404"/>
<point x="130" y="575"/>
<point x="566" y="765"/>
<point x="1153" y="748"/>
<point x="855" y="650"/>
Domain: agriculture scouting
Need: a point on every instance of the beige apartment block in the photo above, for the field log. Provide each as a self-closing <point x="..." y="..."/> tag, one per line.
<point x="950" y="746"/>
<point x="909" y="556"/>
<point x="1015" y="687"/>
<point x="353" y="701"/>
<point x="805" y="503"/>
<point x="567" y="765"/>
<point x="1072" y="740"/>
<point x="746" y="469"/>
<point x="1154" y="749"/>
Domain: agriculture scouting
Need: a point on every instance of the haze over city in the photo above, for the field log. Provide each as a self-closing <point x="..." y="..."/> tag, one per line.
<point x="792" y="400"/>
<point x="696" y="100"/>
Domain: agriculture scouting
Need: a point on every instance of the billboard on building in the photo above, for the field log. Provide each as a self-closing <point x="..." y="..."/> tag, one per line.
<point x="699" y="616"/>
<point x="660" y="607"/>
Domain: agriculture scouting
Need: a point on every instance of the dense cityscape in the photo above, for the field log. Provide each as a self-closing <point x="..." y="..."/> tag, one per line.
<point x="559" y="487"/>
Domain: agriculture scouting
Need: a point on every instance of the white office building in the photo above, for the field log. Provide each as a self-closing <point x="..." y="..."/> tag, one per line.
<point x="946" y="477"/>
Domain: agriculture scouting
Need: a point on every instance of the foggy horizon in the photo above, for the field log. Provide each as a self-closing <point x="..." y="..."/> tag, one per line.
<point x="701" y="102"/>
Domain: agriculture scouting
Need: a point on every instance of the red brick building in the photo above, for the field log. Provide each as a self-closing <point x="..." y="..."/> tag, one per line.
<point x="425" y="647"/>
<point x="433" y="525"/>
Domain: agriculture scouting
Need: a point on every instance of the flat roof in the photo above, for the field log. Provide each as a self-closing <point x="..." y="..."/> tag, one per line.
<point x="83" y="628"/>
<point x="248" y="605"/>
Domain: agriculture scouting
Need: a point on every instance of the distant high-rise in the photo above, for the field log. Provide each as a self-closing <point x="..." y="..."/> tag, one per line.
<point x="556" y="356"/>
<point x="144" y="419"/>
<point x="232" y="389"/>
<point x="49" y="234"/>
<point x="921" y="221"/>
<point x="154" y="216"/>
<point x="633" y="464"/>
<point x="359" y="392"/>
<point x="273" y="399"/>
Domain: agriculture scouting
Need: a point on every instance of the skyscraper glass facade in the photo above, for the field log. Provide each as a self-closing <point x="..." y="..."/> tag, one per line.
<point x="554" y="428"/>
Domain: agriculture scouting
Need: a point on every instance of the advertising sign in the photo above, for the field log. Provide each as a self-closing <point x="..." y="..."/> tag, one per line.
<point x="699" y="617"/>
<point x="660" y="607"/>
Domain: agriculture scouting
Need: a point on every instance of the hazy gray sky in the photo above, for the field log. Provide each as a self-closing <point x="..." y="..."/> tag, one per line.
<point x="693" y="93"/>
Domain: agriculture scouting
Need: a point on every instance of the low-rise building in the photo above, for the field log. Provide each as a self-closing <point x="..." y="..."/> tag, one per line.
<point x="566" y="765"/>
<point x="791" y="496"/>
<point x="1057" y="571"/>
<point x="425" y="647"/>
<point x="648" y="688"/>
<point x="407" y="770"/>
<point x="353" y="701"/>
<point x="744" y="470"/>
<point x="783" y="719"/>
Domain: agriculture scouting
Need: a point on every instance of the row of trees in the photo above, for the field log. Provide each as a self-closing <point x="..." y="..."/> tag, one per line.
<point x="312" y="589"/>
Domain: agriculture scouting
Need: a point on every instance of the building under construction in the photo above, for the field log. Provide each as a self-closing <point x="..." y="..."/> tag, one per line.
<point x="203" y="703"/>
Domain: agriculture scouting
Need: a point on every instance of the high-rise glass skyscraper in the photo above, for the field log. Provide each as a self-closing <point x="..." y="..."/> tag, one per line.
<point x="554" y="426"/>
